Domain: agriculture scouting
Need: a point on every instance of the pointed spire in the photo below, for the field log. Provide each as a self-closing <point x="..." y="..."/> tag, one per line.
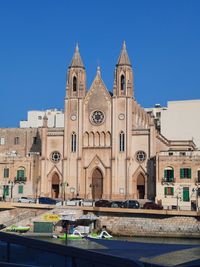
<point x="98" y="70"/>
<point x="76" y="60"/>
<point x="123" y="58"/>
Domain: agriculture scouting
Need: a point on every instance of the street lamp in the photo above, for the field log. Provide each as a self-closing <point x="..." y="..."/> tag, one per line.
<point x="11" y="184"/>
<point x="63" y="184"/>
<point x="197" y="190"/>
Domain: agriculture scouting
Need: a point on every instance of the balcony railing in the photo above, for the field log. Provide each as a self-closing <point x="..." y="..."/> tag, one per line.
<point x="20" y="179"/>
<point x="168" y="180"/>
<point x="197" y="180"/>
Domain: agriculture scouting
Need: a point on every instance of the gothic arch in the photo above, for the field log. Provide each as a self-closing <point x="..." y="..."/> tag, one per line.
<point x="108" y="139"/>
<point x="91" y="139"/>
<point x="102" y="139"/>
<point x="97" y="139"/>
<point x="55" y="182"/>
<point x="140" y="186"/>
<point x="97" y="184"/>
<point x="139" y="183"/>
<point x="86" y="139"/>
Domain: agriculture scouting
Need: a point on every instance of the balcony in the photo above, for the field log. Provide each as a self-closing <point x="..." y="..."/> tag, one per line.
<point x="197" y="181"/>
<point x="168" y="180"/>
<point x="20" y="179"/>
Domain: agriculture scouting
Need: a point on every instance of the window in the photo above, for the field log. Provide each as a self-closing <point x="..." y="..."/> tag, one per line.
<point x="74" y="84"/>
<point x="121" y="142"/>
<point x="169" y="191"/>
<point x="168" y="174"/>
<point x="198" y="176"/>
<point x="186" y="195"/>
<point x="122" y="83"/>
<point x="73" y="142"/>
<point x="2" y="141"/>
<point x="158" y="114"/>
<point x="35" y="140"/>
<point x="16" y="140"/>
<point x="20" y="189"/>
<point x="55" y="156"/>
<point x="6" y="190"/>
<point x="39" y="117"/>
<point x="6" y="173"/>
<point x="21" y="175"/>
<point x="140" y="156"/>
<point x="185" y="173"/>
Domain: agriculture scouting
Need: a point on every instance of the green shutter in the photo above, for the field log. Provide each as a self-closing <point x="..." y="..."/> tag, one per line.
<point x="181" y="173"/>
<point x="189" y="173"/>
<point x="20" y="189"/>
<point x="6" y="190"/>
<point x="165" y="191"/>
<point x="165" y="173"/>
<point x="172" y="173"/>
<point x="172" y="191"/>
<point x="186" y="196"/>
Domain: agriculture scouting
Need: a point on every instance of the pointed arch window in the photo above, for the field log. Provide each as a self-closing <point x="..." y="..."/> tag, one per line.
<point x="74" y="84"/>
<point x="122" y="83"/>
<point x="121" y="141"/>
<point x="73" y="142"/>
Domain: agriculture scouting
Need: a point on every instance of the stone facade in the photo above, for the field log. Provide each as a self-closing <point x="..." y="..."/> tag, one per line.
<point x="108" y="148"/>
<point x="175" y="226"/>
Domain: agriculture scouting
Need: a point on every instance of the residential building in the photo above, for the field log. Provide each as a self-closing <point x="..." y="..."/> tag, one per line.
<point x="35" y="118"/>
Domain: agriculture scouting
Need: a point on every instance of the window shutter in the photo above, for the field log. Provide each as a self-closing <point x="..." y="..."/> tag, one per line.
<point x="186" y="196"/>
<point x="181" y="173"/>
<point x="189" y="173"/>
<point x="172" y="191"/>
<point x="165" y="191"/>
<point x="165" y="173"/>
<point x="20" y="189"/>
<point x="172" y="173"/>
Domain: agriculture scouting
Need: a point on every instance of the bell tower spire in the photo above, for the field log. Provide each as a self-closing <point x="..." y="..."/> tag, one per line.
<point x="76" y="80"/>
<point x="123" y="81"/>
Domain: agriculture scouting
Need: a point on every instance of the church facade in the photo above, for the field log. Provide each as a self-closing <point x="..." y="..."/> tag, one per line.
<point x="109" y="147"/>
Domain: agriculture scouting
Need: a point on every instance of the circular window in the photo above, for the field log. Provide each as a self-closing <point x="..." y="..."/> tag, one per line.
<point x="55" y="156"/>
<point x="97" y="117"/>
<point x="140" y="156"/>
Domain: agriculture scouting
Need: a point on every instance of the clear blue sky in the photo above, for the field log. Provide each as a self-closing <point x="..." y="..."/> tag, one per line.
<point x="38" y="38"/>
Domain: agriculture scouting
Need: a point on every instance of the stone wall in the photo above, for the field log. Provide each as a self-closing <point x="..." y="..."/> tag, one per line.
<point x="175" y="226"/>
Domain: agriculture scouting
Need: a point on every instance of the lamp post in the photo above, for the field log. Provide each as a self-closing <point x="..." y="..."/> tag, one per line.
<point x="63" y="184"/>
<point x="11" y="184"/>
<point x="197" y="191"/>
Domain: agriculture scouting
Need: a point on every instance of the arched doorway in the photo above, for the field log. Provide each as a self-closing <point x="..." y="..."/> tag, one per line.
<point x="140" y="186"/>
<point x="97" y="184"/>
<point x="55" y="186"/>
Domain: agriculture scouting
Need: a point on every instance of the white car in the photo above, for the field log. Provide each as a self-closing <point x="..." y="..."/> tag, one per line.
<point x="26" y="200"/>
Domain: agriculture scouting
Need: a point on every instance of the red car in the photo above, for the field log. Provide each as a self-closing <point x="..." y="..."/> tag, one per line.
<point x="152" y="206"/>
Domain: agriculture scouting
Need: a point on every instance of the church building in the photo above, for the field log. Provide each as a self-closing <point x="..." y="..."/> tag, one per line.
<point x="108" y="146"/>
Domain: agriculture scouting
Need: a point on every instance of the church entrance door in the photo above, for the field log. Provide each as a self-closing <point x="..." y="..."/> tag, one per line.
<point x="140" y="186"/>
<point x="97" y="184"/>
<point x="55" y="186"/>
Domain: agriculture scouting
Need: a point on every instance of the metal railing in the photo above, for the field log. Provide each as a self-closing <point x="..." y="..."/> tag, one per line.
<point x="33" y="252"/>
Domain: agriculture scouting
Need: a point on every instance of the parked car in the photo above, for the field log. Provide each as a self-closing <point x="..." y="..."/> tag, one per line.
<point x="47" y="200"/>
<point x="26" y="200"/>
<point x="131" y="204"/>
<point x="117" y="204"/>
<point x="76" y="201"/>
<point x="152" y="206"/>
<point x="102" y="203"/>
